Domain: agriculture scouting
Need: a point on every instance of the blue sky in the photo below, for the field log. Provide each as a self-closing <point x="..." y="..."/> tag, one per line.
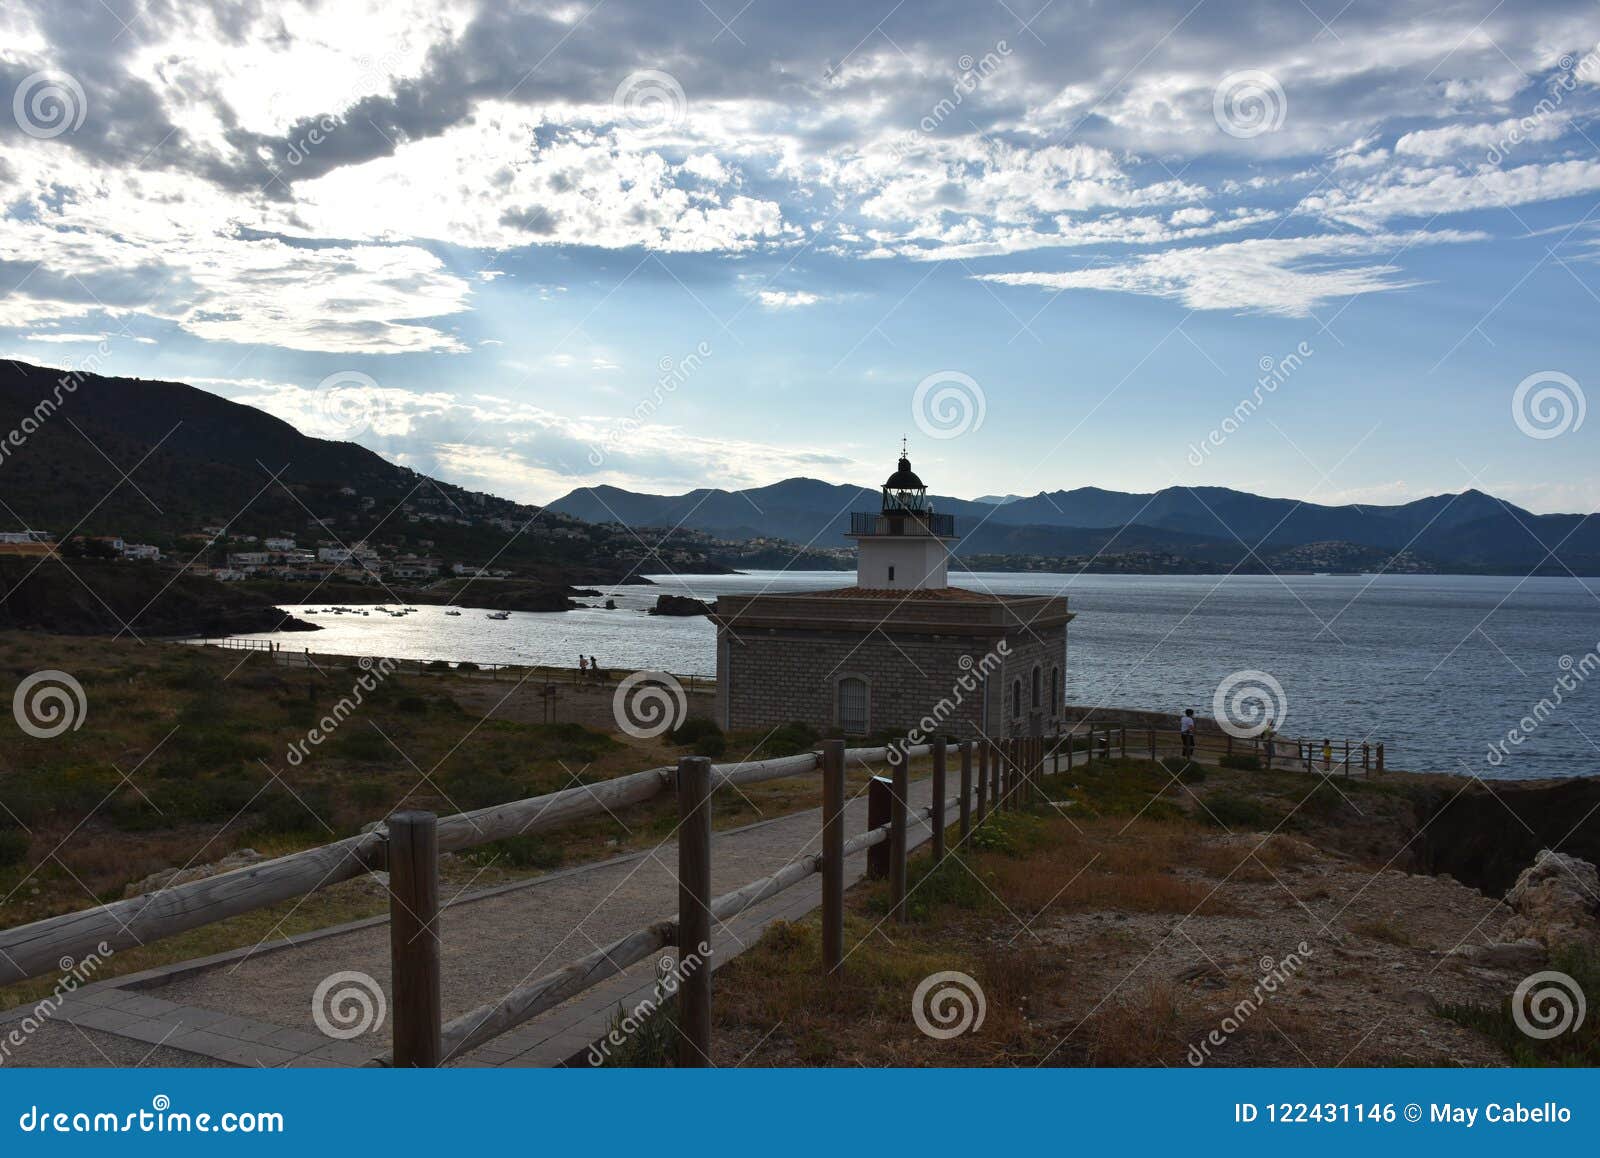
<point x="534" y="247"/>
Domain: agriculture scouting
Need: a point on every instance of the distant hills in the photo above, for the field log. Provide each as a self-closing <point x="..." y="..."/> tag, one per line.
<point x="1469" y="532"/>
<point x="158" y="462"/>
<point x="194" y="460"/>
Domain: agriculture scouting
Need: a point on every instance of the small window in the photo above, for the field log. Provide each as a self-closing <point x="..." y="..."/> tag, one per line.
<point x="891" y="574"/>
<point x="853" y="705"/>
<point x="1036" y="692"/>
<point x="1016" y="697"/>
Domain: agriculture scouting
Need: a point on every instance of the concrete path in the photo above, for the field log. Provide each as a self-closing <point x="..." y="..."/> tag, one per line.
<point x="255" y="1007"/>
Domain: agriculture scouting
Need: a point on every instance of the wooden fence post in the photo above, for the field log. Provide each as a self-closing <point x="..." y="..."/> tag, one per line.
<point x="1122" y="741"/>
<point x="1008" y="774"/>
<point x="879" y="792"/>
<point x="898" y="839"/>
<point x="996" y="775"/>
<point x="936" y="816"/>
<point x="1366" y="758"/>
<point x="966" y="789"/>
<point x="1380" y="758"/>
<point x="983" y="778"/>
<point x="694" y="911"/>
<point x="832" y="855"/>
<point x="1152" y="732"/>
<point x="413" y="857"/>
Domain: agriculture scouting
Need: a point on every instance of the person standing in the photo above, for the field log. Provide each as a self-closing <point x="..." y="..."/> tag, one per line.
<point x="1271" y="738"/>
<point x="1186" y="733"/>
<point x="583" y="667"/>
<point x="1327" y="755"/>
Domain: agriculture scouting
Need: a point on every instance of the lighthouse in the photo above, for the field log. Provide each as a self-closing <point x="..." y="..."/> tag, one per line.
<point x="901" y="652"/>
<point x="905" y="544"/>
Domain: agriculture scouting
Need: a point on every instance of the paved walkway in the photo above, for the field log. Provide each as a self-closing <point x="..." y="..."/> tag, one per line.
<point x="255" y="1007"/>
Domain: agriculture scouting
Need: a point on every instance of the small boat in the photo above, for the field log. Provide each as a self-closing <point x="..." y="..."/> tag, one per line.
<point x="452" y="611"/>
<point x="499" y="615"/>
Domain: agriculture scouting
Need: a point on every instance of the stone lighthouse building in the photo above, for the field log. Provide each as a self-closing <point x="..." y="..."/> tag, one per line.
<point x="900" y="653"/>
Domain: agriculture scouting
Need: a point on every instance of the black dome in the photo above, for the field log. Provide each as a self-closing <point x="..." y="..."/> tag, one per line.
<point x="904" y="479"/>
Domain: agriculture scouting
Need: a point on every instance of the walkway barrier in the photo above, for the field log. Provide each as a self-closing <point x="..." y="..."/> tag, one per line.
<point x="420" y="1039"/>
<point x="408" y="847"/>
<point x="1280" y="752"/>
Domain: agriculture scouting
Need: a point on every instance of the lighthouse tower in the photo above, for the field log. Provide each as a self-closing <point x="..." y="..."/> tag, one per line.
<point x="905" y="545"/>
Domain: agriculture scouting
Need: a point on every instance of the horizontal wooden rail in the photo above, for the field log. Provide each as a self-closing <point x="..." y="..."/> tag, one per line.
<point x="36" y="949"/>
<point x="481" y="1025"/>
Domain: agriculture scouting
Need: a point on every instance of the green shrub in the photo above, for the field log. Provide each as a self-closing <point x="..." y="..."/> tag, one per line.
<point x="790" y="740"/>
<point x="467" y="665"/>
<point x="1231" y="811"/>
<point x="1577" y="1046"/>
<point x="692" y="729"/>
<point x="1241" y="763"/>
<point x="438" y="665"/>
<point x="711" y="744"/>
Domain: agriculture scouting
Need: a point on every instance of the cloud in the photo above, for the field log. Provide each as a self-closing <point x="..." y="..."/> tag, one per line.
<point x="1289" y="277"/>
<point x="1429" y="192"/>
<point x="531" y="453"/>
<point x="787" y="299"/>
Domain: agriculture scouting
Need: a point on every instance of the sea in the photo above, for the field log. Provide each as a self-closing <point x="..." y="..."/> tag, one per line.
<point x="1473" y="675"/>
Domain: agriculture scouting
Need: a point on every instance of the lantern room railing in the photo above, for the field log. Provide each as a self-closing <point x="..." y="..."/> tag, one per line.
<point x="902" y="523"/>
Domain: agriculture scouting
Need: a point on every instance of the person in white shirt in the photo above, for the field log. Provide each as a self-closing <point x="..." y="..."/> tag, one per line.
<point x="1186" y="732"/>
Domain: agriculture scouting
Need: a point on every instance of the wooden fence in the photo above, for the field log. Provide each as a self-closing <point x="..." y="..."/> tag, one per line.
<point x="992" y="776"/>
<point x="1280" y="752"/>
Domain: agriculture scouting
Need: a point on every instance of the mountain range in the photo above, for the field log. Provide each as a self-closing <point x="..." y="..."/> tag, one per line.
<point x="1468" y="532"/>
<point x="158" y="460"/>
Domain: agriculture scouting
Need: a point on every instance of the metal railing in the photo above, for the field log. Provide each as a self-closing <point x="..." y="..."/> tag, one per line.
<point x="896" y="522"/>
